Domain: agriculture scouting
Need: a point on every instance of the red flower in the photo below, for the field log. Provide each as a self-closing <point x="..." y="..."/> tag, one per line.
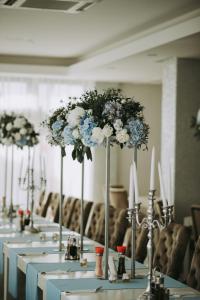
<point x="20" y="212"/>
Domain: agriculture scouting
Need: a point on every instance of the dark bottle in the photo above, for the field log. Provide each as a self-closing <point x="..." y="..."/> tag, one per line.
<point x="121" y="261"/>
<point x="73" y="250"/>
<point x="27" y="218"/>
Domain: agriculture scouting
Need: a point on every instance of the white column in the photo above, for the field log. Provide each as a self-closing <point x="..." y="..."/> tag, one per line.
<point x="180" y="101"/>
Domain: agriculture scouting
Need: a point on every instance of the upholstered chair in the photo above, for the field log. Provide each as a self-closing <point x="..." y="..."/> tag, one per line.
<point x="141" y="243"/>
<point x="94" y="227"/>
<point x="68" y="208"/>
<point x="75" y="220"/>
<point x="51" y="208"/>
<point x="39" y="210"/>
<point x="170" y="249"/>
<point x="193" y="278"/>
<point x="195" y="212"/>
<point x="118" y="224"/>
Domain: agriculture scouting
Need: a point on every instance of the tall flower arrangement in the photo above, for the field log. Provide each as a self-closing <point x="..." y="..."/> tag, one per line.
<point x="94" y="117"/>
<point x="17" y="130"/>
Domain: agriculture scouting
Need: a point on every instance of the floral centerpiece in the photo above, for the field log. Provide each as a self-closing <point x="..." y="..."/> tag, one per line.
<point x="196" y="125"/>
<point x="93" y="118"/>
<point x="17" y="130"/>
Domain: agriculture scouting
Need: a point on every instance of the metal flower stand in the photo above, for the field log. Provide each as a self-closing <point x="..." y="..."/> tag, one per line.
<point x="5" y="181"/>
<point x="82" y="207"/>
<point x="107" y="203"/>
<point x="11" y="209"/>
<point x="61" y="201"/>
<point x="150" y="222"/>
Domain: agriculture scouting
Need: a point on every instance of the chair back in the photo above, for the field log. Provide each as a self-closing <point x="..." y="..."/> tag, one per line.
<point x="51" y="209"/>
<point x="170" y="249"/>
<point x="94" y="226"/>
<point x="68" y="208"/>
<point x="75" y="220"/>
<point x="195" y="211"/>
<point x="141" y="242"/>
<point x="118" y="223"/>
<point x="39" y="210"/>
<point x="193" y="278"/>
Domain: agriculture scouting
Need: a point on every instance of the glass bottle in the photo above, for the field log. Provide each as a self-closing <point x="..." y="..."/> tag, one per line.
<point x="121" y="261"/>
<point x="99" y="256"/>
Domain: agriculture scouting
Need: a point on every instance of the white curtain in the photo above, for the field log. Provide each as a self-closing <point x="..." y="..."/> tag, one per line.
<point x="35" y="98"/>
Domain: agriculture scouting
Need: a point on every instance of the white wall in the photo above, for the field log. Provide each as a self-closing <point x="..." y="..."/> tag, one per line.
<point x="150" y="97"/>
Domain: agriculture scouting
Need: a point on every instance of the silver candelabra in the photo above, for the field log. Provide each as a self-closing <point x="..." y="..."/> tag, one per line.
<point x="27" y="183"/>
<point x="150" y="222"/>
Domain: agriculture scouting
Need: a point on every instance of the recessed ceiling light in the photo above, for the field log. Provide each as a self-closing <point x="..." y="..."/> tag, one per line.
<point x="152" y="54"/>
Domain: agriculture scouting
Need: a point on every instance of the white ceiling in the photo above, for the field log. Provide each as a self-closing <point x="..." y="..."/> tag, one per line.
<point x="115" y="40"/>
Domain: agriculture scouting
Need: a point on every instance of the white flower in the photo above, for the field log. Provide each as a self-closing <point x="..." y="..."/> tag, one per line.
<point x="9" y="126"/>
<point x="89" y="111"/>
<point x="17" y="136"/>
<point x="123" y="101"/>
<point x="118" y="124"/>
<point x="19" y="122"/>
<point x="76" y="133"/>
<point x="33" y="140"/>
<point x="122" y="136"/>
<point x="7" y="141"/>
<point x="23" y="131"/>
<point x="74" y="116"/>
<point x="107" y="130"/>
<point x="97" y="135"/>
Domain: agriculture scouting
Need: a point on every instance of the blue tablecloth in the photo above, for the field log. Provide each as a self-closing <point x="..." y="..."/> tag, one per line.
<point x="34" y="268"/>
<point x="55" y="286"/>
<point x="13" y="260"/>
<point x="72" y="266"/>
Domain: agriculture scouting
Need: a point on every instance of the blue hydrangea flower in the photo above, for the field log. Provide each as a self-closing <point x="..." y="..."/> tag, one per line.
<point x="87" y="124"/>
<point x="68" y="137"/>
<point x="137" y="132"/>
<point x="57" y="125"/>
<point x="22" y="142"/>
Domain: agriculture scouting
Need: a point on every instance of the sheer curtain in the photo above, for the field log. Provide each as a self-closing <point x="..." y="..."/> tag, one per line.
<point x="35" y="98"/>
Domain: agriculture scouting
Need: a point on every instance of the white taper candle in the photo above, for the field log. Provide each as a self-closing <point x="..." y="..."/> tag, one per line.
<point x="198" y="117"/>
<point x="162" y="188"/>
<point x="152" y="173"/>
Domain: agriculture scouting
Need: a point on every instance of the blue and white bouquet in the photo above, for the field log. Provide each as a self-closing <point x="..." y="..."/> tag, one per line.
<point x="93" y="118"/>
<point x="17" y="130"/>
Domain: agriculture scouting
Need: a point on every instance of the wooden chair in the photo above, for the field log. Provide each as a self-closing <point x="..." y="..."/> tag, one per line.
<point x="51" y="208"/>
<point x="75" y="220"/>
<point x="193" y="278"/>
<point x="195" y="212"/>
<point x="68" y="208"/>
<point x="170" y="249"/>
<point x="141" y="243"/>
<point x="118" y="224"/>
<point x="39" y="210"/>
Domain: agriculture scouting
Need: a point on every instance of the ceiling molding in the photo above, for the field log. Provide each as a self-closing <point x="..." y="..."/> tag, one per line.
<point x="36" y="60"/>
<point x="162" y="34"/>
